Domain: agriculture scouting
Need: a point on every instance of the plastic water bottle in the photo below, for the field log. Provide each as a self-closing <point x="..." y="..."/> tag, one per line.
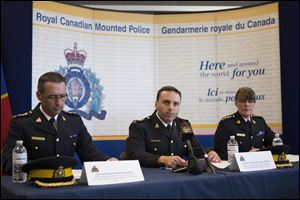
<point x="19" y="158"/>
<point x="232" y="148"/>
<point x="277" y="141"/>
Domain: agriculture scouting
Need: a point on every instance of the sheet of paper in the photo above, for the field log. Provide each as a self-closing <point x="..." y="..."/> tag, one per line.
<point x="77" y="173"/>
<point x="221" y="165"/>
<point x="293" y="158"/>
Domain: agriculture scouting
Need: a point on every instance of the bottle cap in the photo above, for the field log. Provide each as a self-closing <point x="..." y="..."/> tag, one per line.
<point x="20" y="142"/>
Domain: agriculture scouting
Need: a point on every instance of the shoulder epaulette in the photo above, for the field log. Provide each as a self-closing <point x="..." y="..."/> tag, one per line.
<point x="228" y="117"/>
<point x="70" y="113"/>
<point x="146" y="118"/>
<point x="27" y="114"/>
<point x="256" y="116"/>
<point x="183" y="119"/>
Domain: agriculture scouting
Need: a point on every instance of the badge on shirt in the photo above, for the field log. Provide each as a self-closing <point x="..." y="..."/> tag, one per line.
<point x="154" y="140"/>
<point x="37" y="138"/>
<point x="260" y="133"/>
<point x="241" y="134"/>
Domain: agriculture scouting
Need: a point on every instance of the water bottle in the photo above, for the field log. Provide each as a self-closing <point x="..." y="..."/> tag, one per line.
<point x="232" y="148"/>
<point x="19" y="158"/>
<point x="277" y="141"/>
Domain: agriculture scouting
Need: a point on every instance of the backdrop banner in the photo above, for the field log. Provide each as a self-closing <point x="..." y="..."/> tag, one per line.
<point x="114" y="63"/>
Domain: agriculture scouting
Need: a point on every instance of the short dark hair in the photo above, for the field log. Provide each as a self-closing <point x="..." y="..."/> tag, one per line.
<point x="167" y="88"/>
<point x="245" y="93"/>
<point x="49" y="77"/>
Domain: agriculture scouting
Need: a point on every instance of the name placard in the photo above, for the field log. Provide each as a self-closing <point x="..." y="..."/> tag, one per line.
<point x="253" y="161"/>
<point x="111" y="172"/>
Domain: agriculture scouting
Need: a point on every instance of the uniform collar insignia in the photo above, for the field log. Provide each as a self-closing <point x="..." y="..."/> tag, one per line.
<point x="38" y="120"/>
<point x="254" y="122"/>
<point x="156" y="125"/>
<point x="238" y="122"/>
<point x="63" y="118"/>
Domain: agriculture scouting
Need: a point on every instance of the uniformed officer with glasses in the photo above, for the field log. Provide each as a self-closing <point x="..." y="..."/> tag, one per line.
<point x="48" y="130"/>
<point x="251" y="131"/>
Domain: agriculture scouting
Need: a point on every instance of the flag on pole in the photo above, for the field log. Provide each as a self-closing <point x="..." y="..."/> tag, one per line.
<point x="5" y="109"/>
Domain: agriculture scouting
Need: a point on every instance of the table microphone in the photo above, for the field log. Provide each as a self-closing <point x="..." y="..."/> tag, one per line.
<point x="187" y="134"/>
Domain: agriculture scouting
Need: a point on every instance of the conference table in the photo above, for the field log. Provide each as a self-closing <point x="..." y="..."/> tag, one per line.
<point x="159" y="183"/>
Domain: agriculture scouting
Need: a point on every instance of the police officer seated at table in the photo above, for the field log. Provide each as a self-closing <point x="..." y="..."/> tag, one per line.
<point x="48" y="130"/>
<point x="251" y="132"/>
<point x="155" y="141"/>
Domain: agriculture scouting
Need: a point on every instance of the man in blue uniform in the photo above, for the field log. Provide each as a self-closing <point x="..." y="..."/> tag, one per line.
<point x="251" y="132"/>
<point x="155" y="141"/>
<point x="48" y="130"/>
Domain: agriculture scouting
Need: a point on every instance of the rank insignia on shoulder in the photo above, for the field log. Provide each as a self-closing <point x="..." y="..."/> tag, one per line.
<point x="38" y="120"/>
<point x="22" y="115"/>
<point x="255" y="115"/>
<point x="238" y="121"/>
<point x="70" y="112"/>
<point x="228" y="117"/>
<point x="156" y="125"/>
<point x="136" y="121"/>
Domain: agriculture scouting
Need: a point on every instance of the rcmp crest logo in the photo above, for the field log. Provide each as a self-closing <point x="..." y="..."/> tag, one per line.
<point x="83" y="87"/>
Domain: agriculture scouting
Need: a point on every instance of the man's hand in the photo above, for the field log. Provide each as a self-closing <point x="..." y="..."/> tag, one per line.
<point x="172" y="161"/>
<point x="213" y="157"/>
<point x="253" y="149"/>
<point x="112" y="159"/>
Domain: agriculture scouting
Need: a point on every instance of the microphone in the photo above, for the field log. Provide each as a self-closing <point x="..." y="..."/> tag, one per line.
<point x="195" y="166"/>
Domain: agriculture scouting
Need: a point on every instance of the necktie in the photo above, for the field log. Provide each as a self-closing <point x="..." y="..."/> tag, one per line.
<point x="249" y="126"/>
<point x="169" y="127"/>
<point x="52" y="122"/>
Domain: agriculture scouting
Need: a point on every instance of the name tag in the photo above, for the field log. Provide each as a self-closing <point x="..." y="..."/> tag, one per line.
<point x="154" y="140"/>
<point x="241" y="134"/>
<point x="37" y="138"/>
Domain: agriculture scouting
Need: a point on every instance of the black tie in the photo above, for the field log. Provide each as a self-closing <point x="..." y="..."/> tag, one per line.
<point x="52" y="122"/>
<point x="249" y="126"/>
<point x="169" y="127"/>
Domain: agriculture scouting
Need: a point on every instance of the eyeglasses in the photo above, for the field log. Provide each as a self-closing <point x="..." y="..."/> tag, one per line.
<point x="56" y="97"/>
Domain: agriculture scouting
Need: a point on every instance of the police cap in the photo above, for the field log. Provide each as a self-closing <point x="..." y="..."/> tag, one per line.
<point x="51" y="171"/>
<point x="279" y="155"/>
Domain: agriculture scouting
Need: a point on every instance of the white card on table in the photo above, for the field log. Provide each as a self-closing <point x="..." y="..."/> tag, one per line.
<point x="253" y="161"/>
<point x="111" y="172"/>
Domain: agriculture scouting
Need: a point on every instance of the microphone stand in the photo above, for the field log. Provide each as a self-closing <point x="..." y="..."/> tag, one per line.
<point x="195" y="165"/>
<point x="212" y="169"/>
